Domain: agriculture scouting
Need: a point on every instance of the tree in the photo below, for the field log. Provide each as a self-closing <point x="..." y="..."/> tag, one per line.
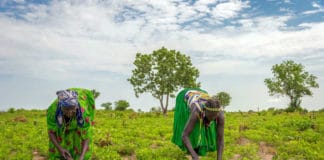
<point x="224" y="98"/>
<point x="121" y="105"/>
<point x="292" y="80"/>
<point x="95" y="93"/>
<point x="107" y="106"/>
<point x="162" y="73"/>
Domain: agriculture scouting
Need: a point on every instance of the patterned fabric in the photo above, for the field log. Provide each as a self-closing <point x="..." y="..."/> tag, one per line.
<point x="198" y="98"/>
<point x="68" y="98"/>
<point x="202" y="138"/>
<point x="70" y="135"/>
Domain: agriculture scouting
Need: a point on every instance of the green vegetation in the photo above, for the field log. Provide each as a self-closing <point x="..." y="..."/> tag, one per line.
<point x="290" y="79"/>
<point x="121" y="105"/>
<point x="107" y="105"/>
<point x="162" y="73"/>
<point x="224" y="98"/>
<point x="126" y="135"/>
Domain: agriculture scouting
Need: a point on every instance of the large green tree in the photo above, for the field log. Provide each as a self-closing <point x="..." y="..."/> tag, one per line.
<point x="290" y="79"/>
<point x="162" y="73"/>
<point x="224" y="98"/>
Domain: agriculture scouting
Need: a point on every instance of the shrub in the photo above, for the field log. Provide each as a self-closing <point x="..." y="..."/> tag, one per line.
<point x="11" y="110"/>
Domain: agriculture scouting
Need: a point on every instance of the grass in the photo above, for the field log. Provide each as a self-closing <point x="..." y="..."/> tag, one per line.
<point x="130" y="135"/>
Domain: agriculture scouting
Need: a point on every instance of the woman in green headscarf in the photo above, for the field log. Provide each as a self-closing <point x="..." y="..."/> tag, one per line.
<point x="198" y="123"/>
<point x="69" y="122"/>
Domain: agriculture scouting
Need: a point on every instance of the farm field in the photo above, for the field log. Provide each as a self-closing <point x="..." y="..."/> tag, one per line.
<point x="131" y="135"/>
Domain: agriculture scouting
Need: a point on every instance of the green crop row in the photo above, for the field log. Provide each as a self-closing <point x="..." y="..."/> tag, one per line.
<point x="131" y="135"/>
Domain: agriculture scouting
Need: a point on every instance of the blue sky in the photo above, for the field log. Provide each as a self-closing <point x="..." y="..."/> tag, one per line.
<point x="47" y="46"/>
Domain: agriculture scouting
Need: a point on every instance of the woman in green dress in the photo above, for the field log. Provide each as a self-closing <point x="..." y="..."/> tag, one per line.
<point x="198" y="123"/>
<point x="69" y="122"/>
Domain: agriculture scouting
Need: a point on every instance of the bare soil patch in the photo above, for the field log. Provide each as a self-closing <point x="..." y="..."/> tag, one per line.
<point x="20" y="119"/>
<point x="266" y="151"/>
<point x="132" y="157"/>
<point x="243" y="141"/>
<point x="37" y="156"/>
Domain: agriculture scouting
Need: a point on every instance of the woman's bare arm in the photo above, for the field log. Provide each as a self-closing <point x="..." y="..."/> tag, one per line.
<point x="85" y="146"/>
<point x="62" y="151"/>
<point x="187" y="130"/>
<point x="220" y="134"/>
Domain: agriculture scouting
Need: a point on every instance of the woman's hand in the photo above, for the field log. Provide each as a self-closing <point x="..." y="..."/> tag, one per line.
<point x="65" y="153"/>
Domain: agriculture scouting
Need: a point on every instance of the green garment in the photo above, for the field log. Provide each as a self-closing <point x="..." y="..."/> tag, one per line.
<point x="71" y="136"/>
<point x="203" y="139"/>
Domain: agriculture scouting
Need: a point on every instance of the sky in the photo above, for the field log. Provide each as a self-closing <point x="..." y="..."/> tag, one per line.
<point x="46" y="46"/>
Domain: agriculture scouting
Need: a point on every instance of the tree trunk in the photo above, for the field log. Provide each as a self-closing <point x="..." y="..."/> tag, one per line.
<point x="291" y="107"/>
<point x="165" y="112"/>
<point x="294" y="102"/>
<point x="164" y="108"/>
<point x="161" y="104"/>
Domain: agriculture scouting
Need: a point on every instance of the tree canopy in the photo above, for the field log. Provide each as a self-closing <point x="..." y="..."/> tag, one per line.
<point x="224" y="98"/>
<point x="290" y="79"/>
<point x="107" y="105"/>
<point x="162" y="73"/>
<point x="121" y="105"/>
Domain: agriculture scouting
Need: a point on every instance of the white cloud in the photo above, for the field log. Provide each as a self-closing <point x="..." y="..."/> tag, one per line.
<point x="229" y="9"/>
<point x="287" y="1"/>
<point x="313" y="11"/>
<point x="286" y="10"/>
<point x="87" y="34"/>
<point x="318" y="9"/>
<point x="205" y="2"/>
<point x="231" y="67"/>
<point x="316" y="5"/>
<point x="274" y="100"/>
<point x="96" y="42"/>
<point x="20" y="1"/>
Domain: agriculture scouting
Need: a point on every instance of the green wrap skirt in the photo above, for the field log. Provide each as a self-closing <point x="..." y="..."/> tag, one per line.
<point x="202" y="138"/>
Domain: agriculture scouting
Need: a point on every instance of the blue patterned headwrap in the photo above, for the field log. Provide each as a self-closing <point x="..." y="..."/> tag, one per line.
<point x="68" y="98"/>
